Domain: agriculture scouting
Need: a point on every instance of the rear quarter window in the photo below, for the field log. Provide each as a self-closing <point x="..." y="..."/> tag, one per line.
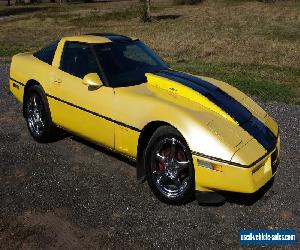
<point x="47" y="54"/>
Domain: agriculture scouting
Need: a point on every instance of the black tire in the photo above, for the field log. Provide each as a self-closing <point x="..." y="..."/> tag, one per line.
<point x="171" y="179"/>
<point x="47" y="130"/>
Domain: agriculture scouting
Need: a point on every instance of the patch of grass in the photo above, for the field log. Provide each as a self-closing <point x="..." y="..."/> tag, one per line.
<point x="235" y="2"/>
<point x="268" y="83"/>
<point x="6" y="52"/>
<point x="250" y="44"/>
<point x="121" y="15"/>
<point x="283" y="33"/>
<point x="20" y="10"/>
<point x="56" y="17"/>
<point x="263" y="89"/>
<point x="93" y="18"/>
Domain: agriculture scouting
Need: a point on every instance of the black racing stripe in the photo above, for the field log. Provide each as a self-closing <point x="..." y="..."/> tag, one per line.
<point x="118" y="38"/>
<point x="95" y="114"/>
<point x="227" y="103"/>
<point x="193" y="79"/>
<point x="20" y="83"/>
<point x="213" y="93"/>
<point x="112" y="36"/>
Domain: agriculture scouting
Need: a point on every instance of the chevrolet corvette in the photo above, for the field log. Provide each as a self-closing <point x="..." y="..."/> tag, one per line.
<point x="190" y="136"/>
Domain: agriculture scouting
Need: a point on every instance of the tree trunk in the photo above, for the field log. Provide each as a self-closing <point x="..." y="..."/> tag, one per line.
<point x="145" y="10"/>
<point x="148" y="11"/>
<point x="8" y="2"/>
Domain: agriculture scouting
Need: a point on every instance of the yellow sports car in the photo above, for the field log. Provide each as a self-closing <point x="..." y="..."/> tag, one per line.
<point x="188" y="134"/>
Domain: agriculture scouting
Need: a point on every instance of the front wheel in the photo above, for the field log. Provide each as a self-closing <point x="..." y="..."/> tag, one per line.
<point x="37" y="115"/>
<point x="169" y="166"/>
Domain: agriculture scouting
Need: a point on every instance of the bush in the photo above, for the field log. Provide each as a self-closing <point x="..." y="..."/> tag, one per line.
<point x="189" y="2"/>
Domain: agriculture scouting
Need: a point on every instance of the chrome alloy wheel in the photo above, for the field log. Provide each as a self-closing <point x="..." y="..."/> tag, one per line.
<point x="35" y="114"/>
<point x="171" y="167"/>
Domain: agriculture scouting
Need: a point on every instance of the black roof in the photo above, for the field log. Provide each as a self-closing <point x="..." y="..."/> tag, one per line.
<point x="112" y="36"/>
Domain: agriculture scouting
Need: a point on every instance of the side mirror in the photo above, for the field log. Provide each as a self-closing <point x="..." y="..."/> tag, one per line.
<point x="92" y="80"/>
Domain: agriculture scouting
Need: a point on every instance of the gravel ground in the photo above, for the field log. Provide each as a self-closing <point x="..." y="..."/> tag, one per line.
<point x="72" y="194"/>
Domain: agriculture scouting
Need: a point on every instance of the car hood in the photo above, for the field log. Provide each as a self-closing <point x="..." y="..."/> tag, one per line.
<point x="230" y="104"/>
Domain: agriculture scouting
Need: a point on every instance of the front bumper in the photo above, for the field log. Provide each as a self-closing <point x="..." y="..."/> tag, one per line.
<point x="235" y="178"/>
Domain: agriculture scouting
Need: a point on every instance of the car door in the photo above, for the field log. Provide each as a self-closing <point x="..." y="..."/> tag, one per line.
<point x="78" y="108"/>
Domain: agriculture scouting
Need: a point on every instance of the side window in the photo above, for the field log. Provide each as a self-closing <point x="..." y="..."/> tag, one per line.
<point x="47" y="54"/>
<point x="78" y="59"/>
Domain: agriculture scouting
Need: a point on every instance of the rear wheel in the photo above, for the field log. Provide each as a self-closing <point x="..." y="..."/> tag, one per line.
<point x="37" y="115"/>
<point x="169" y="167"/>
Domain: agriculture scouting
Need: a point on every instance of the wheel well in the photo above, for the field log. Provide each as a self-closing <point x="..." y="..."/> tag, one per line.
<point x="28" y="85"/>
<point x="144" y="138"/>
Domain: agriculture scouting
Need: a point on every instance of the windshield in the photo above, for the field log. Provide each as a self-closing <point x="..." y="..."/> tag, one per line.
<point x="125" y="63"/>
